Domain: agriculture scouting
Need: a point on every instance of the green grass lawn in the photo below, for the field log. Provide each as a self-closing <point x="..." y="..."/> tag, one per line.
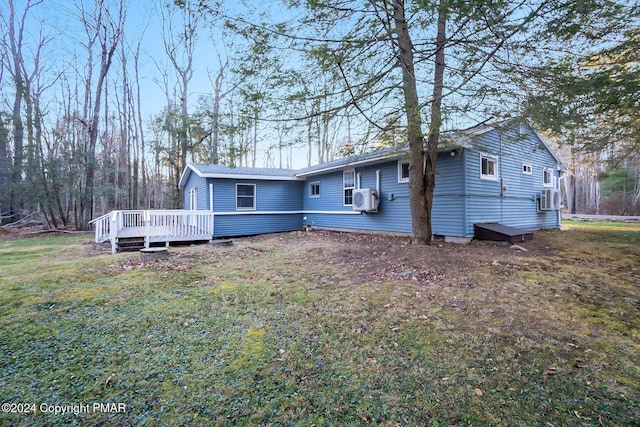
<point x="289" y="330"/>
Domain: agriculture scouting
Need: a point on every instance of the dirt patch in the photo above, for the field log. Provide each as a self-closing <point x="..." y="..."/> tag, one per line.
<point x="389" y="258"/>
<point x="378" y="258"/>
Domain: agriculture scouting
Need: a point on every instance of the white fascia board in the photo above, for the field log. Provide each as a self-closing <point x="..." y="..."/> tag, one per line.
<point x="185" y="175"/>
<point x="230" y="213"/>
<point x="249" y="177"/>
<point x="483" y="131"/>
<point x="190" y="168"/>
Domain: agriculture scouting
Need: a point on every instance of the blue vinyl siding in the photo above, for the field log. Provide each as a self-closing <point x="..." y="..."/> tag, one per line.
<point x="246" y="225"/>
<point x="448" y="214"/>
<point x="394" y="215"/>
<point x="271" y="196"/>
<point x="517" y="205"/>
<point x="461" y="197"/>
<point x="202" y="192"/>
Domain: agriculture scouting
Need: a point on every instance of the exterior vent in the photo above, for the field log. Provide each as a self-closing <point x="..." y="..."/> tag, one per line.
<point x="365" y="200"/>
<point x="550" y="200"/>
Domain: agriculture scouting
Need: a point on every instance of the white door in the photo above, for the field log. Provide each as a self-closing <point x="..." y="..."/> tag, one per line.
<point x="193" y="205"/>
<point x="193" y="199"/>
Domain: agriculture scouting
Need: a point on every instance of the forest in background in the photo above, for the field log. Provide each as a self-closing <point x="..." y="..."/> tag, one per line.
<point x="80" y="133"/>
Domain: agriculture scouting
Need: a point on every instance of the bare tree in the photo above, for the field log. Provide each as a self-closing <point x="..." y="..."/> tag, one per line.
<point x="221" y="89"/>
<point x="16" y="67"/>
<point x="104" y="29"/>
<point x="5" y="177"/>
<point x="140" y="165"/>
<point x="180" y="44"/>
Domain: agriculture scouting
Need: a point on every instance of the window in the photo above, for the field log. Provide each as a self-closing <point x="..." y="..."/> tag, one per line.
<point x="245" y="197"/>
<point x="488" y="167"/>
<point x="547" y="177"/>
<point x="314" y="189"/>
<point x="526" y="169"/>
<point x="403" y="171"/>
<point x="349" y="183"/>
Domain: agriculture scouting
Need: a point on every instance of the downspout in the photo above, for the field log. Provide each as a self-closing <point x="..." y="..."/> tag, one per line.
<point x="211" y="197"/>
<point x="465" y="197"/>
<point x="213" y="224"/>
<point x="562" y="178"/>
<point x="501" y="178"/>
<point x="378" y="190"/>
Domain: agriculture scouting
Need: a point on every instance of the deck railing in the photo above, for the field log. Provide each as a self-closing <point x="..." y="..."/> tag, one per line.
<point x="102" y="226"/>
<point x="154" y="225"/>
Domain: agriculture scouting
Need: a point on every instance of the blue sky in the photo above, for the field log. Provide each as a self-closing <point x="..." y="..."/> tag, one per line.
<point x="66" y="52"/>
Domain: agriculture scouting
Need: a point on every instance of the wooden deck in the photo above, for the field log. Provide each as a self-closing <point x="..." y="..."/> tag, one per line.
<point x="153" y="226"/>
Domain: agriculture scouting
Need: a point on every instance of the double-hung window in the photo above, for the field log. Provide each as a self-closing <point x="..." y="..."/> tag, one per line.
<point x="245" y="197"/>
<point x="349" y="184"/>
<point x="547" y="177"/>
<point x="488" y="167"/>
<point x="314" y="189"/>
<point x="403" y="171"/>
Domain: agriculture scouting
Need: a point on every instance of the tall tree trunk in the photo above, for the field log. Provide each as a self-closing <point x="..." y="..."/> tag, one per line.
<point x="146" y="199"/>
<point x="5" y="176"/>
<point x="15" y="41"/>
<point x="421" y="169"/>
<point x="90" y="172"/>
<point x="309" y="142"/>
<point x="436" y="118"/>
<point x="254" y="147"/>
<point x="109" y="35"/>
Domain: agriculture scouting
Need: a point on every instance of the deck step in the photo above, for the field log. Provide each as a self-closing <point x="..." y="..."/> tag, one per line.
<point x="124" y="244"/>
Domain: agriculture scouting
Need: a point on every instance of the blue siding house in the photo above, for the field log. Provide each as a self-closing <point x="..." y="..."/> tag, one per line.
<point x="503" y="174"/>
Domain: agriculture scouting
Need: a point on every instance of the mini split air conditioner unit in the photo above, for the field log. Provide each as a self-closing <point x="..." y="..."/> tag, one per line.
<point x="365" y="200"/>
<point x="550" y="200"/>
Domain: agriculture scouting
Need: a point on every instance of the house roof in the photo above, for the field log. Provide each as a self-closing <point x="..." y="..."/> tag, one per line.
<point x="368" y="158"/>
<point x="446" y="144"/>
<point x="219" y="171"/>
<point x="449" y="141"/>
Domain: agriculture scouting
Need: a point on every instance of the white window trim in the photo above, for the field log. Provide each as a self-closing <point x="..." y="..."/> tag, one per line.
<point x="400" y="178"/>
<point x="527" y="166"/>
<point x="255" y="198"/>
<point x="548" y="184"/>
<point x="494" y="159"/>
<point x="344" y="172"/>
<point x="311" y="195"/>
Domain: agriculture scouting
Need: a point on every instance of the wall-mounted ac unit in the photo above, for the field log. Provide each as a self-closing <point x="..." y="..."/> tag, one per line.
<point x="550" y="200"/>
<point x="365" y="200"/>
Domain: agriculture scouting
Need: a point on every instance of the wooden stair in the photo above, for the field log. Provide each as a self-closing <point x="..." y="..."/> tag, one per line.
<point x="127" y="244"/>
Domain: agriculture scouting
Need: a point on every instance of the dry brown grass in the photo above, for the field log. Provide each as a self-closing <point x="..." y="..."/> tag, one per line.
<point x="327" y="328"/>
